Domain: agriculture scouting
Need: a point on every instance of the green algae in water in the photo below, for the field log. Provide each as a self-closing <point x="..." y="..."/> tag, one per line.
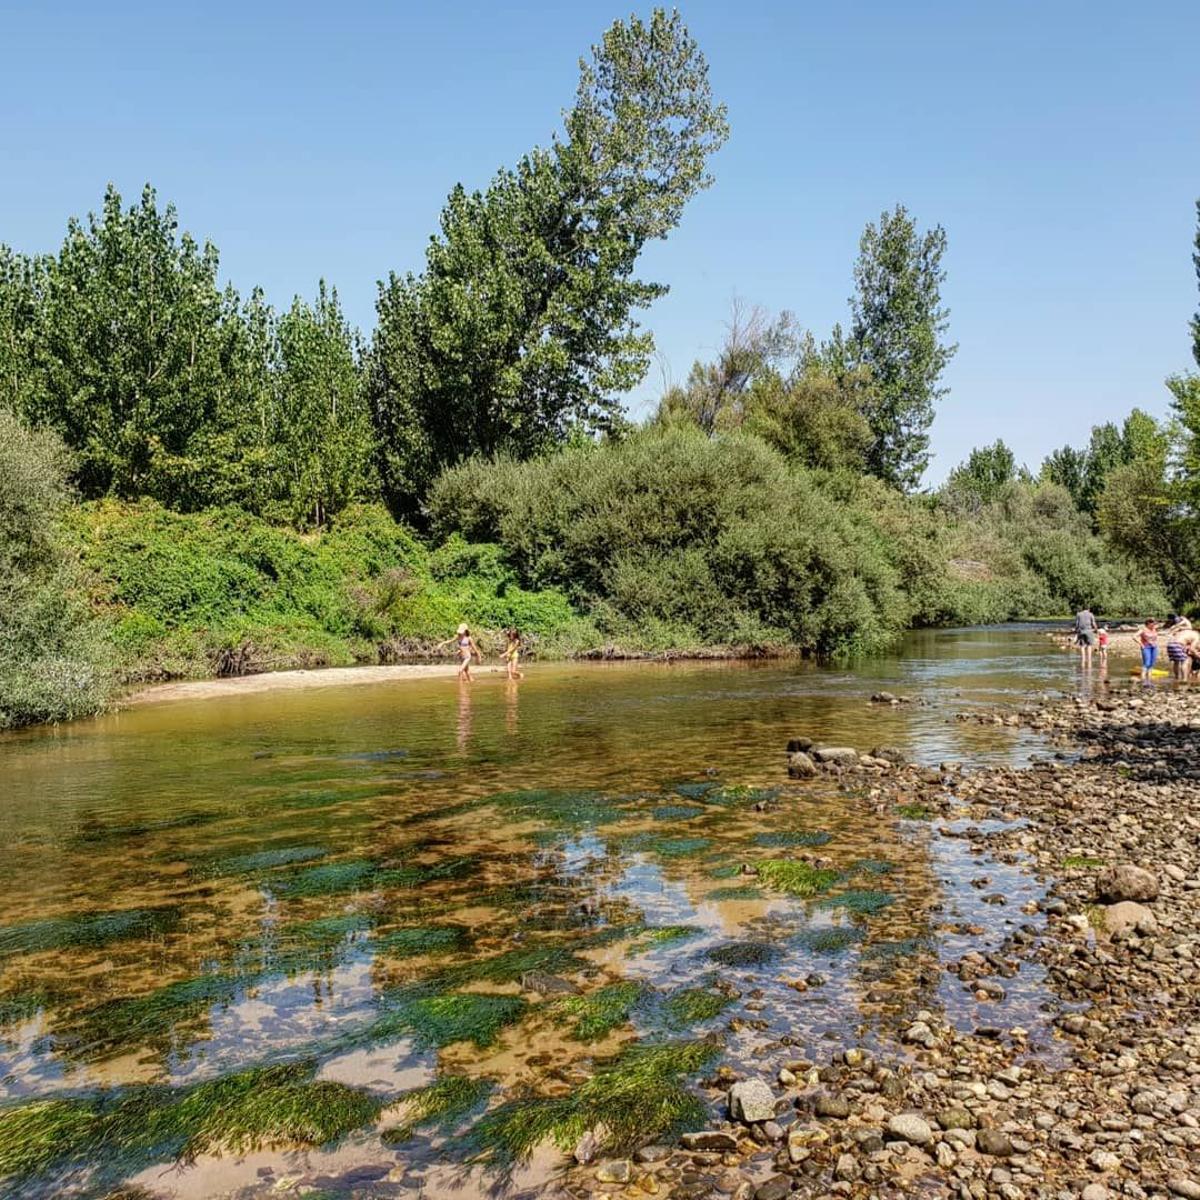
<point x="871" y="866"/>
<point x="436" y="1021"/>
<point x="798" y="837"/>
<point x="639" y="1097"/>
<point x="796" y="878"/>
<point x="423" y="939"/>
<point x="830" y="940"/>
<point x="662" y="935"/>
<point x="1073" y="861"/>
<point x="571" y="809"/>
<point x="744" y="954"/>
<point x="863" y="902"/>
<point x="597" y="1014"/>
<point x="901" y="948"/>
<point x="913" y="812"/>
<point x="90" y="930"/>
<point x="746" y="891"/>
<point x="726" y="872"/>
<point x="690" y="1006"/>
<point x="239" y="1113"/>
<point x="445" y="1103"/>
<point x="512" y="964"/>
<point x="361" y="875"/>
<point x="92" y="835"/>
<point x="24" y="1006"/>
<point x="695" y="791"/>
<point x="667" y="847"/>
<point x="676" y="812"/>
<point x="740" y="796"/>
<point x="261" y="860"/>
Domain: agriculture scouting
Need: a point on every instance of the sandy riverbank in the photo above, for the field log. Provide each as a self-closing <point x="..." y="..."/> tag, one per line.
<point x="207" y="689"/>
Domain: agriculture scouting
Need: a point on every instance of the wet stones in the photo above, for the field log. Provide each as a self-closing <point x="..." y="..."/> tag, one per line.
<point x="909" y="1127"/>
<point x="836" y="1107"/>
<point x="801" y="766"/>
<point x="837" y="755"/>
<point x="993" y="1142"/>
<point x="751" y="1101"/>
<point x="615" y="1170"/>
<point x="1125" y="882"/>
<point x="1127" y="917"/>
<point x="709" y="1139"/>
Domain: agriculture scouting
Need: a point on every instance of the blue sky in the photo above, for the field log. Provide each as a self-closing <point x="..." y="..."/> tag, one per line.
<point x="1058" y="143"/>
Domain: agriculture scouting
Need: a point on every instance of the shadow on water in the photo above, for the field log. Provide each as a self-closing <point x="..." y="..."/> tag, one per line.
<point x="482" y="891"/>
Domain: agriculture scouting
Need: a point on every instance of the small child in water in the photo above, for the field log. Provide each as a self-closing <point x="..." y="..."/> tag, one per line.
<point x="512" y="653"/>
<point x="1102" y="641"/>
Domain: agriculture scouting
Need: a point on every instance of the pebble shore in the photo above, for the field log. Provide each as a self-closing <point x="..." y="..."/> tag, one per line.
<point x="1111" y="825"/>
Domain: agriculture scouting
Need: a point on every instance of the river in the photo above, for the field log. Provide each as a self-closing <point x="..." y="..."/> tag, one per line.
<point x="199" y="888"/>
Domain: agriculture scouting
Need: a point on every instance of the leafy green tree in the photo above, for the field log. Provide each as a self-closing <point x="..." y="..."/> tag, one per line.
<point x="136" y="353"/>
<point x="897" y="332"/>
<point x="1196" y="318"/>
<point x="986" y="474"/>
<point x="21" y="282"/>
<point x="1067" y="467"/>
<point x="324" y="431"/>
<point x="523" y="325"/>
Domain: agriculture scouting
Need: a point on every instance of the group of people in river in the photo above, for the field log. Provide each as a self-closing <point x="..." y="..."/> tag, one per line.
<point x="1183" y="644"/>
<point x="468" y="648"/>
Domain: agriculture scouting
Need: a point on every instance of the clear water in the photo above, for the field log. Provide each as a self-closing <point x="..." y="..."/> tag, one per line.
<point x="201" y="886"/>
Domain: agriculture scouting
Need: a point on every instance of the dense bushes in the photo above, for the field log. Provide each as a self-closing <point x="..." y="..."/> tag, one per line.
<point x="223" y="591"/>
<point x="673" y="538"/>
<point x="50" y="666"/>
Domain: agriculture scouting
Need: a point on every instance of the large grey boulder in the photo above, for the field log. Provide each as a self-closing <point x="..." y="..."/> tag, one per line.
<point x="1129" y="917"/>
<point x="800" y="766"/>
<point x="1125" y="882"/>
<point x="751" y="1100"/>
<point x="841" y="755"/>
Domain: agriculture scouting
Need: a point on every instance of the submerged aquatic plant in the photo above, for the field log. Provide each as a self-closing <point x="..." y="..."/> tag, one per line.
<point x="86" y="930"/>
<point x="23" y="1006"/>
<point x="728" y="871"/>
<point x="871" y="866"/>
<point x="829" y="939"/>
<point x="439" y="1020"/>
<point x="662" y="935"/>
<point x="636" y="1098"/>
<point x="740" y="796"/>
<point x="598" y="1013"/>
<point x="680" y="847"/>
<point x="1073" y="861"/>
<point x="362" y="875"/>
<point x="744" y="954"/>
<point x="913" y="812"/>
<point x="746" y="891"/>
<point x="676" y="812"/>
<point x="796" y="878"/>
<point x="566" y="808"/>
<point x="261" y="860"/>
<point x="901" y="948"/>
<point x="509" y="966"/>
<point x="799" y="837"/>
<point x="445" y="1103"/>
<point x="866" y="903"/>
<point x="246" y="1111"/>
<point x="696" y="791"/>
<point x="423" y="939"/>
<point x="690" y="1006"/>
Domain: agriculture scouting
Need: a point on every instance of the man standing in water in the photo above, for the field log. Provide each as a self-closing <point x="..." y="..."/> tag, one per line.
<point x="1085" y="636"/>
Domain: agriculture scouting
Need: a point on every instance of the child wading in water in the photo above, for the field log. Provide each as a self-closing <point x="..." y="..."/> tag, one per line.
<point x="466" y="647"/>
<point x="512" y="653"/>
<point x="1147" y="637"/>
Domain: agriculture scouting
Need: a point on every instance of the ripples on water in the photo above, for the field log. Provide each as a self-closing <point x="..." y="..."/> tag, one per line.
<point x="202" y="887"/>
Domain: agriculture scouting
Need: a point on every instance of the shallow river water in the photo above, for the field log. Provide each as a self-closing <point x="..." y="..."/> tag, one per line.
<point x="503" y="884"/>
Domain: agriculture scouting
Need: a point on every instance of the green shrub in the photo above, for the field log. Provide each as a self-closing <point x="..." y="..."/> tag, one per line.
<point x="51" y="655"/>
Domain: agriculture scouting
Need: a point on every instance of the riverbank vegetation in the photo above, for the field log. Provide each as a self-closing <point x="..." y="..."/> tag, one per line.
<point x="194" y="483"/>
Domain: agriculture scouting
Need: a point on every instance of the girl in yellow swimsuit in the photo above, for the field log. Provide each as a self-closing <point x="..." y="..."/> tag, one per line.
<point x="512" y="654"/>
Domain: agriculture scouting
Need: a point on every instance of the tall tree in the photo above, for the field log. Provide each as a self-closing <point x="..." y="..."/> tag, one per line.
<point x="324" y="425"/>
<point x="897" y="331"/>
<point x="1196" y="318"/>
<point x="137" y="353"/>
<point x="986" y="474"/>
<point x="523" y="324"/>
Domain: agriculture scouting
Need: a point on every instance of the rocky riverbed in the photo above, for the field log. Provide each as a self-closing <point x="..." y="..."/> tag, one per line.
<point x="1107" y="1103"/>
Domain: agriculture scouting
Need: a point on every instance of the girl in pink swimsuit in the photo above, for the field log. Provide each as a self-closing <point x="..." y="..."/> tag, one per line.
<point x="466" y="647"/>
